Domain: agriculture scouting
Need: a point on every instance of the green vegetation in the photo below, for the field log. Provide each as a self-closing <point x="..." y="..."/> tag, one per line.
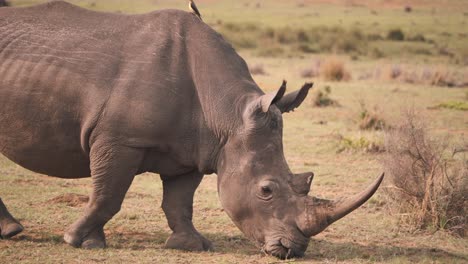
<point x="454" y="105"/>
<point x="359" y="144"/>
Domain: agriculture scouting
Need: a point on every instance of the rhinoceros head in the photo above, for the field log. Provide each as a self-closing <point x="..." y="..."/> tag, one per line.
<point x="262" y="196"/>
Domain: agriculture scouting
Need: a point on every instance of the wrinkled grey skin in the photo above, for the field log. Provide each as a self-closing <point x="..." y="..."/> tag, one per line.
<point x="112" y="96"/>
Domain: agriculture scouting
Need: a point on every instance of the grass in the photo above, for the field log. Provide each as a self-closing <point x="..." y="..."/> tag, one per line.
<point x="455" y="105"/>
<point x="284" y="38"/>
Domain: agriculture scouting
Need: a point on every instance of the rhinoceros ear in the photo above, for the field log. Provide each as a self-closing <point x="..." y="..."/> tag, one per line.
<point x="272" y="98"/>
<point x="292" y="100"/>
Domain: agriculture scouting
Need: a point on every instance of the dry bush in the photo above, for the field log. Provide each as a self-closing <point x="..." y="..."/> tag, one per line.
<point x="257" y="69"/>
<point x="333" y="69"/>
<point x="428" y="186"/>
<point x="371" y="119"/>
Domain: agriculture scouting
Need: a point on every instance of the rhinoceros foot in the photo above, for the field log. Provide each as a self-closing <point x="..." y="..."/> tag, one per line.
<point x="10" y="229"/>
<point x="188" y="241"/>
<point x="94" y="240"/>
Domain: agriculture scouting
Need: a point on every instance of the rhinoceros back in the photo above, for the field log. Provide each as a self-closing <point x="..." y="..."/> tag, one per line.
<point x="60" y="65"/>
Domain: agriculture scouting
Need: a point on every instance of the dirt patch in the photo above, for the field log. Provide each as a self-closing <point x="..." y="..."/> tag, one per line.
<point x="70" y="199"/>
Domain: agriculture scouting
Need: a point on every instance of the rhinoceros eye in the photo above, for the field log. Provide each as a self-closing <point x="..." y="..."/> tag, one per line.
<point x="266" y="190"/>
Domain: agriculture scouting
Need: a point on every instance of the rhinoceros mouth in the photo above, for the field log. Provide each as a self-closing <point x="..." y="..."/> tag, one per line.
<point x="284" y="249"/>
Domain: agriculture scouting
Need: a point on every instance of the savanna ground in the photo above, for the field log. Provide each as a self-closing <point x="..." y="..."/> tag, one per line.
<point x="426" y="70"/>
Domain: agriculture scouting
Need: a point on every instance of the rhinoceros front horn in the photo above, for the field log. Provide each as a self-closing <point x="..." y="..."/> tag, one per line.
<point x="320" y="213"/>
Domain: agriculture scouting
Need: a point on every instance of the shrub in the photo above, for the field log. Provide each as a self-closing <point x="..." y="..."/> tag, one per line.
<point x="322" y="98"/>
<point x="427" y="188"/>
<point x="333" y="69"/>
<point x="396" y="35"/>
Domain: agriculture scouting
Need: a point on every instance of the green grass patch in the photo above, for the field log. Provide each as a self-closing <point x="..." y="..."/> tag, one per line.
<point x="453" y="105"/>
<point x="360" y="144"/>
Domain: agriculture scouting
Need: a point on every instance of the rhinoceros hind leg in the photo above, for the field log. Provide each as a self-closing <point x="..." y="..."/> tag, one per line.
<point x="178" y="206"/>
<point x="9" y="226"/>
<point x="112" y="170"/>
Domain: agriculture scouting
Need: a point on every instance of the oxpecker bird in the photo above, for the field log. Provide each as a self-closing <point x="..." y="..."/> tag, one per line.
<point x="193" y="8"/>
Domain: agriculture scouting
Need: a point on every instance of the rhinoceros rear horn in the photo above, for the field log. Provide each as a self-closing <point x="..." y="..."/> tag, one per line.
<point x="320" y="213"/>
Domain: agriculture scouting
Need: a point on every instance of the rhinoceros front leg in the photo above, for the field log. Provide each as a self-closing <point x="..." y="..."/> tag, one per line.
<point x="178" y="206"/>
<point x="112" y="170"/>
<point x="9" y="226"/>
